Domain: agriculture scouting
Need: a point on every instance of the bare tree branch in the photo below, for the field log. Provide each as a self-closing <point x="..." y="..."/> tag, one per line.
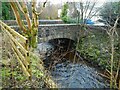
<point x="17" y="16"/>
<point x="23" y="8"/>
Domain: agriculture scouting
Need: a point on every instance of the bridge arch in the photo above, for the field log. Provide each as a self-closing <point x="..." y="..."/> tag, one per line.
<point x="64" y="43"/>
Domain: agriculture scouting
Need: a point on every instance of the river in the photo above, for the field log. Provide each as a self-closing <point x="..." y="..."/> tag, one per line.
<point x="67" y="70"/>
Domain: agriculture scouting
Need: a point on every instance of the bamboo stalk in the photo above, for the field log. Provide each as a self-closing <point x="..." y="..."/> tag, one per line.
<point x="28" y="59"/>
<point x="23" y="67"/>
<point x="18" y="19"/>
<point x="26" y="15"/>
<point x="16" y="42"/>
<point x="12" y="31"/>
<point x="29" y="67"/>
<point x="23" y="63"/>
<point x="27" y="48"/>
<point x="33" y="13"/>
<point x="20" y="55"/>
<point x="22" y="40"/>
<point x="24" y="9"/>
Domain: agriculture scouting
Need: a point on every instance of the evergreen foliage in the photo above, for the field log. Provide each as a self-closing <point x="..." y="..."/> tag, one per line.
<point x="64" y="12"/>
<point x="7" y="13"/>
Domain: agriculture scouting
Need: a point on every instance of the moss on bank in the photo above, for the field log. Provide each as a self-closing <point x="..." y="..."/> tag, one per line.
<point x="96" y="49"/>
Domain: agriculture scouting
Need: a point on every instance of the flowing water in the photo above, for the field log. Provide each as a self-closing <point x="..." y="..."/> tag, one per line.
<point x="69" y="74"/>
<point x="77" y="75"/>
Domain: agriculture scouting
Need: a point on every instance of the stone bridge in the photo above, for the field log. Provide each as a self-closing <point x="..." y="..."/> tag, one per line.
<point x="53" y="31"/>
<point x="70" y="31"/>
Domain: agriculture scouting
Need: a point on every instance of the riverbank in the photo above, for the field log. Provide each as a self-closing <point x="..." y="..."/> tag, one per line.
<point x="96" y="49"/>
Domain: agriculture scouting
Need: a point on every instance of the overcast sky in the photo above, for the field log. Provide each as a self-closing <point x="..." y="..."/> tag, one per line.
<point x="61" y="1"/>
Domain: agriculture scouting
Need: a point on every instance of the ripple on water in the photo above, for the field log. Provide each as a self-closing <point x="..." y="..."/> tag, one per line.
<point x="77" y="76"/>
<point x="73" y="75"/>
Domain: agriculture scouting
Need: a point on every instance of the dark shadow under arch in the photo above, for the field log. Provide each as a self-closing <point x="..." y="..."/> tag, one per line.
<point x="64" y="43"/>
